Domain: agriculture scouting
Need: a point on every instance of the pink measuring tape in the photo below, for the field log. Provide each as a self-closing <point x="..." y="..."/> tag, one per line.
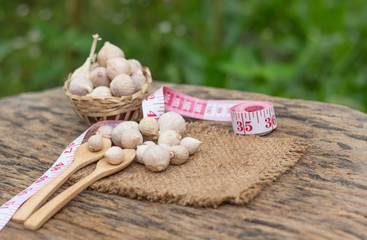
<point x="247" y="117"/>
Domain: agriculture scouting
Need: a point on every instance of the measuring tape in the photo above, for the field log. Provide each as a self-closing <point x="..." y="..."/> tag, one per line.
<point x="8" y="209"/>
<point x="247" y="117"/>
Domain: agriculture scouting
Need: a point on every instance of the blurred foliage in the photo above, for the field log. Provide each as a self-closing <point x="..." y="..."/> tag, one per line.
<point x="314" y="49"/>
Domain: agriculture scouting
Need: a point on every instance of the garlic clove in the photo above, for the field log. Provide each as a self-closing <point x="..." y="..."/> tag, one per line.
<point x="98" y="77"/>
<point x="169" y="137"/>
<point x="179" y="154"/>
<point x="156" y="158"/>
<point x="114" y="155"/>
<point x="139" y="80"/>
<point x="140" y="152"/>
<point x="172" y="121"/>
<point x="131" y="138"/>
<point x="80" y="86"/>
<point x="135" y="65"/>
<point x="122" y="85"/>
<point x="117" y="131"/>
<point x="149" y="127"/>
<point x="116" y="66"/>
<point x="105" y="131"/>
<point x="95" y="143"/>
<point x="108" y="51"/>
<point x="100" y="91"/>
<point x="191" y="144"/>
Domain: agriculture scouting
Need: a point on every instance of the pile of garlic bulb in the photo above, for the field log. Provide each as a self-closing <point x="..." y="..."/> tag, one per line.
<point x="157" y="143"/>
<point x="107" y="74"/>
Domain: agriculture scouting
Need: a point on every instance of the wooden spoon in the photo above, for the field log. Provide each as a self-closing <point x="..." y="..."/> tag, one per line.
<point x="103" y="169"/>
<point x="83" y="157"/>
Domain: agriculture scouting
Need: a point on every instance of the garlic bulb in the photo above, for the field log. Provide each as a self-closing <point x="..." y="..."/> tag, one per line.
<point x="139" y="80"/>
<point x="149" y="143"/>
<point x="140" y="152"/>
<point x="117" y="131"/>
<point x="108" y="51"/>
<point x="100" y="91"/>
<point x="98" y="77"/>
<point x="114" y="155"/>
<point x="80" y="86"/>
<point x="172" y="121"/>
<point x="135" y="65"/>
<point x="156" y="158"/>
<point x="169" y="137"/>
<point x="131" y="138"/>
<point x="95" y="143"/>
<point x="116" y="66"/>
<point x="179" y="154"/>
<point x="191" y="144"/>
<point x="149" y="127"/>
<point x="105" y="131"/>
<point x="122" y="85"/>
<point x="83" y="71"/>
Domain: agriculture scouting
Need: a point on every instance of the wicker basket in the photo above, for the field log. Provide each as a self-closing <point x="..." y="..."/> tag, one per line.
<point x="95" y="109"/>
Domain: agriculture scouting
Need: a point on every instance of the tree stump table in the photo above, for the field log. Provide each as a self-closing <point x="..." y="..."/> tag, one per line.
<point x="322" y="197"/>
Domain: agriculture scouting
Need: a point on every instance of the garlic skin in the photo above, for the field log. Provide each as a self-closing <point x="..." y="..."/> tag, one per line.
<point x="140" y="152"/>
<point x="95" y="143"/>
<point x="135" y="65"/>
<point x="108" y="51"/>
<point x="172" y="121"/>
<point x="80" y="86"/>
<point x="149" y="143"/>
<point x="191" y="144"/>
<point x="131" y="138"/>
<point x="117" y="131"/>
<point x="116" y="66"/>
<point x="105" y="131"/>
<point x="169" y="137"/>
<point x="156" y="158"/>
<point x="139" y="80"/>
<point x="93" y="66"/>
<point x="149" y="127"/>
<point x="100" y="91"/>
<point x="115" y="155"/>
<point x="179" y="154"/>
<point x="122" y="85"/>
<point x="165" y="146"/>
<point x="98" y="77"/>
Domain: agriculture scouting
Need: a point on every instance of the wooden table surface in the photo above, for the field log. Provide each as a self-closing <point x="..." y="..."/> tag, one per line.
<point x="323" y="197"/>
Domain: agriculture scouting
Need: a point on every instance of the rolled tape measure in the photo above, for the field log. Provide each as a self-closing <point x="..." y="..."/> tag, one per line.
<point x="247" y="117"/>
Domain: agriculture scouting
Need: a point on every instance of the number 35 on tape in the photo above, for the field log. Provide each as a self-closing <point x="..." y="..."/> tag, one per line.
<point x="247" y="117"/>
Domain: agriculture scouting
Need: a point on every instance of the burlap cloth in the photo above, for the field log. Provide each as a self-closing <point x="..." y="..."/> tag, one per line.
<point x="228" y="168"/>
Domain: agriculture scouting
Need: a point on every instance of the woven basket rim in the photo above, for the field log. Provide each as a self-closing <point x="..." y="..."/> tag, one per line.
<point x="128" y="98"/>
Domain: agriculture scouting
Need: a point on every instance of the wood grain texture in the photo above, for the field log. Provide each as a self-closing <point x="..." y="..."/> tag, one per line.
<point x="322" y="197"/>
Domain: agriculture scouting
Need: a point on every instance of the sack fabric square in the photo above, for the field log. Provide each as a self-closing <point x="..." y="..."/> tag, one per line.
<point x="228" y="168"/>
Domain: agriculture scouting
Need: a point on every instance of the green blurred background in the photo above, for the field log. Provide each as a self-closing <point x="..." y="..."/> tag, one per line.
<point x="308" y="49"/>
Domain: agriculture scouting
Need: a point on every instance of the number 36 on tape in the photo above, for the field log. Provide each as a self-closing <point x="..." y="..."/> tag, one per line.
<point x="247" y="117"/>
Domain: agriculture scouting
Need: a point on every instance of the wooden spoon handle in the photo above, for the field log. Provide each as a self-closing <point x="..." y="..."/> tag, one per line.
<point x="43" y="194"/>
<point x="37" y="219"/>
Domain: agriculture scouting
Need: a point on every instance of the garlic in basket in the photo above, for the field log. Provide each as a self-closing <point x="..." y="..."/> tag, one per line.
<point x="108" y="51"/>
